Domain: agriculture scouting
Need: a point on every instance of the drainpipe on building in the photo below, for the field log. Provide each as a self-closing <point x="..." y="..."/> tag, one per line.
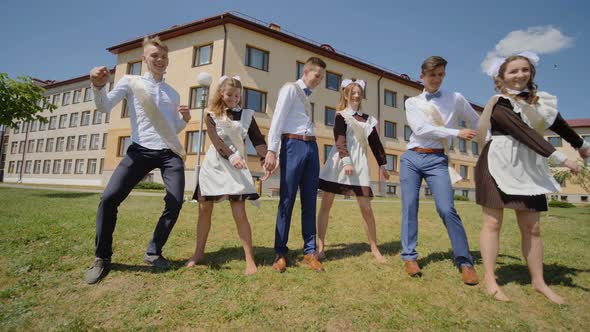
<point x="379" y="124"/>
<point x="224" y="48"/>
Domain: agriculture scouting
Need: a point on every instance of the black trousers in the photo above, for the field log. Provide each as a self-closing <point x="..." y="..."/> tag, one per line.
<point x="138" y="162"/>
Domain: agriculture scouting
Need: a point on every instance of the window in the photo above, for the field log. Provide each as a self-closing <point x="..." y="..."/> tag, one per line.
<point x="91" y="166"/>
<point x="464" y="172"/>
<point x="28" y="165"/>
<point x="37" y="167"/>
<point x="104" y="141"/>
<point x="49" y="145"/>
<point x="67" y="166"/>
<point x="563" y="198"/>
<point x="582" y="198"/>
<point x="299" y="70"/>
<point x="405" y="99"/>
<point x="465" y="193"/>
<point x="85" y="118"/>
<point x="256" y="58"/>
<point x="474" y="148"/>
<point x="333" y="81"/>
<point x="329" y="116"/>
<point x="312" y="112"/>
<point x="555" y="141"/>
<point x="46" y="166"/>
<point x="390" y="98"/>
<point x="82" y="142"/>
<point x="452" y="144"/>
<point x="107" y="117"/>
<point x="34" y="125"/>
<point x="134" y="68"/>
<point x="192" y="142"/>
<point x="21" y="147"/>
<point x="390" y="129"/>
<point x="11" y="167"/>
<point x="77" y="94"/>
<point x="45" y="102"/>
<point x="462" y="145"/>
<point x="73" y="120"/>
<point x="250" y="149"/>
<point x="427" y="192"/>
<point x="70" y="143"/>
<point x="55" y="100"/>
<point x="391" y="189"/>
<point x="197" y="95"/>
<point x="94" y="138"/>
<point x="88" y="96"/>
<point x="125" y="111"/>
<point x="327" y="149"/>
<point x="13" y="147"/>
<point x="63" y="121"/>
<point x="59" y="144"/>
<point x="407" y="133"/>
<point x="17" y="128"/>
<point x="391" y="162"/>
<point x="96" y="117"/>
<point x="202" y="55"/>
<point x="124" y="143"/>
<point x="254" y="100"/>
<point x="52" y="122"/>
<point x="31" y="146"/>
<point x="42" y="126"/>
<point x="56" y="167"/>
<point x="79" y="166"/>
<point x="66" y="99"/>
<point x="111" y="84"/>
<point x="101" y="165"/>
<point x="40" y="145"/>
<point x="462" y="123"/>
<point x="19" y="166"/>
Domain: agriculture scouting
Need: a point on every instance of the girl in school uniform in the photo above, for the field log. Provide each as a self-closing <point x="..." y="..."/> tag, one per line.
<point x="224" y="174"/>
<point x="346" y="171"/>
<point x="512" y="171"/>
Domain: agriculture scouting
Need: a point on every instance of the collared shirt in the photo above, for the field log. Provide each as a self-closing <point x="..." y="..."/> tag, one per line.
<point x="142" y="130"/>
<point x="289" y="117"/>
<point x="451" y="105"/>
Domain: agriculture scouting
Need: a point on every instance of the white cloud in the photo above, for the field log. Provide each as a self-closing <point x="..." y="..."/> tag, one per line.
<point x="541" y="40"/>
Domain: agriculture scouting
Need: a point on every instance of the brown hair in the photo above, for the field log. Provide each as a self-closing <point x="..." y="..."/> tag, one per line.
<point x="315" y="61"/>
<point x="217" y="105"/>
<point x="155" y="41"/>
<point x="432" y="62"/>
<point x="345" y="94"/>
<point x="531" y="85"/>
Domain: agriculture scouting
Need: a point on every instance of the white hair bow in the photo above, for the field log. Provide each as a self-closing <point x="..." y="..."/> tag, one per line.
<point x="224" y="77"/>
<point x="494" y="66"/>
<point x="347" y="82"/>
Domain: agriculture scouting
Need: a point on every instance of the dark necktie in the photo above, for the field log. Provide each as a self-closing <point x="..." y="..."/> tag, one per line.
<point x="307" y="91"/>
<point x="433" y="95"/>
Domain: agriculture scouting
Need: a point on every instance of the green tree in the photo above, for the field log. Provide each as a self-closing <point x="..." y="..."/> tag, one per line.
<point x="582" y="178"/>
<point x="21" y="100"/>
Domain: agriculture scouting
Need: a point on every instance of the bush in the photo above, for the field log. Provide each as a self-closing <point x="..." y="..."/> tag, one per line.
<point x="560" y="204"/>
<point x="150" y="185"/>
<point x="461" y="198"/>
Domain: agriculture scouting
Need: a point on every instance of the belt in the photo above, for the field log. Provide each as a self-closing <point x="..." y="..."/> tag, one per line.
<point x="299" y="137"/>
<point x="426" y="150"/>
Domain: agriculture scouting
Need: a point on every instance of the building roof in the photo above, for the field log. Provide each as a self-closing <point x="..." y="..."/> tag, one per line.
<point x="55" y="84"/>
<point x="577" y="123"/>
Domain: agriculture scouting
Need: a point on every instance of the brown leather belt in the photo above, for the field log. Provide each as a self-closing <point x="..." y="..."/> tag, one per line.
<point x="299" y="137"/>
<point x="426" y="150"/>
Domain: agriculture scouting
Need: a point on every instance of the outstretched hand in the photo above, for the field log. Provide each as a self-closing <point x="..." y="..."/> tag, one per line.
<point x="572" y="165"/>
<point x="99" y="76"/>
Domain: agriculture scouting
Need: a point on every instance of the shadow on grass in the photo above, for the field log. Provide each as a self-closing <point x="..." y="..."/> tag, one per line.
<point x="344" y="250"/>
<point x="66" y="195"/>
<point x="175" y="265"/>
<point x="555" y="274"/>
<point x="443" y="256"/>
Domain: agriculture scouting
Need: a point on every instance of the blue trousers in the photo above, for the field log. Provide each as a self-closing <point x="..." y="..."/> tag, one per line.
<point x="300" y="169"/>
<point x="434" y="169"/>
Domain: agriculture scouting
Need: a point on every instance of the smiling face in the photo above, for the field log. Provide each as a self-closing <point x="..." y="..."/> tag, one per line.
<point x="231" y="96"/>
<point x="516" y="74"/>
<point x="354" y="97"/>
<point x="433" y="79"/>
<point x="313" y="75"/>
<point x="156" y="59"/>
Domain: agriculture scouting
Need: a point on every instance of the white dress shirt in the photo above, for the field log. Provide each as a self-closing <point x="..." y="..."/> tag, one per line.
<point x="142" y="130"/>
<point x="425" y="133"/>
<point x="289" y="117"/>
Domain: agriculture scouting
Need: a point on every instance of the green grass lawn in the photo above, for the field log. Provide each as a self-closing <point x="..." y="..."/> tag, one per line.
<point x="47" y="242"/>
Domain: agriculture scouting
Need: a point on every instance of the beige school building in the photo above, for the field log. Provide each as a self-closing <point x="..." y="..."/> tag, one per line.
<point x="265" y="57"/>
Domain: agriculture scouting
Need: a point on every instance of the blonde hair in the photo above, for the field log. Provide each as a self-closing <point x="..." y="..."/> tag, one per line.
<point x="217" y="106"/>
<point x="531" y="85"/>
<point x="154" y="41"/>
<point x="432" y="62"/>
<point x="345" y="95"/>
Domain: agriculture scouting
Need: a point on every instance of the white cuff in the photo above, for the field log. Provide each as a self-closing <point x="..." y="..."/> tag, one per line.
<point x="234" y="156"/>
<point x="584" y="146"/>
<point x="557" y="158"/>
<point x="346" y="161"/>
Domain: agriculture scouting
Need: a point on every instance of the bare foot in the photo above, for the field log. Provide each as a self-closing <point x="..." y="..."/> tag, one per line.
<point x="379" y="257"/>
<point x="250" y="269"/>
<point x="494" y="290"/>
<point x="549" y="293"/>
<point x="196" y="259"/>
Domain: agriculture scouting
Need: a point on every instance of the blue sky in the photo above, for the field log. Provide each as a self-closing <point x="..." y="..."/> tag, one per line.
<point x="64" y="39"/>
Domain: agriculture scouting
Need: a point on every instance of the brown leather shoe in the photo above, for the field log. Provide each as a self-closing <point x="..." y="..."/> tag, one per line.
<point x="412" y="268"/>
<point x="280" y="264"/>
<point x="313" y="262"/>
<point x="469" y="275"/>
